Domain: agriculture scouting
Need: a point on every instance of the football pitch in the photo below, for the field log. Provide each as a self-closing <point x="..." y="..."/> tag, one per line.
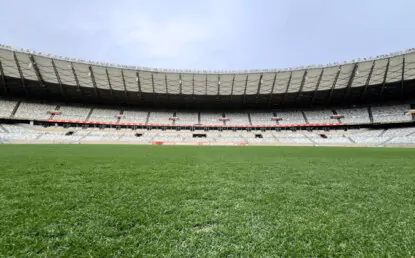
<point x="112" y="200"/>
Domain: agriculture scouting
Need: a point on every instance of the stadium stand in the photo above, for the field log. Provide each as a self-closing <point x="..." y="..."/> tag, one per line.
<point x="258" y="118"/>
<point x="403" y="140"/>
<point x="18" y="133"/>
<point x="395" y="132"/>
<point x="104" y="115"/>
<point x="237" y="118"/>
<point x="35" y="111"/>
<point x="211" y="118"/>
<point x="187" y="118"/>
<point x="293" y="138"/>
<point x="388" y="114"/>
<point x="320" y="116"/>
<point x="133" y="116"/>
<point x="74" y="113"/>
<point x="291" y="117"/>
<point x="315" y="105"/>
<point x="6" y="108"/>
<point x="354" y="115"/>
<point x="158" y="117"/>
<point x="44" y="112"/>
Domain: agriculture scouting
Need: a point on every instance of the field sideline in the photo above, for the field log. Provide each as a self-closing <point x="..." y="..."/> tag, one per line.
<point x="123" y="200"/>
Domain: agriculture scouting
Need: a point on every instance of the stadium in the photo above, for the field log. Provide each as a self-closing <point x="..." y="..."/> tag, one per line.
<point x="109" y="160"/>
<point x="365" y="102"/>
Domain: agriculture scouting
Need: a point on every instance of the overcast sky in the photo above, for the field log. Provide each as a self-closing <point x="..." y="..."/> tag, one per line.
<point x="210" y="34"/>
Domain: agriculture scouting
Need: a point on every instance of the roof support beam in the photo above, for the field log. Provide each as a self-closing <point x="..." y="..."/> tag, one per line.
<point x="233" y="83"/>
<point x="218" y="86"/>
<point x="334" y="84"/>
<point x="37" y="72"/>
<point x="300" y="91"/>
<point x="21" y="73"/>
<point x="272" y="89"/>
<point x="350" y="82"/>
<point x="259" y="85"/>
<point x="403" y="79"/>
<point x="167" y="88"/>
<point x="3" y="80"/>
<point x="206" y="84"/>
<point x="140" y="93"/>
<point x="317" y="87"/>
<point x="368" y="80"/>
<point x="246" y="86"/>
<point x="288" y="85"/>
<point x="91" y="74"/>
<point x="165" y="81"/>
<point x="125" y="85"/>
<point x="154" y="88"/>
<point x="63" y="92"/>
<point x="109" y="82"/>
<point x="193" y="86"/>
<point x="180" y="84"/>
<point x="384" y="79"/>
<point x="76" y="78"/>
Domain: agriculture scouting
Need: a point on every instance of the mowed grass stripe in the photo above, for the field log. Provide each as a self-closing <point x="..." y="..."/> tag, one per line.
<point x="110" y="200"/>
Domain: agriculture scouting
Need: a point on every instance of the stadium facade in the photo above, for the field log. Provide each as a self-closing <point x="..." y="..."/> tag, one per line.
<point x="46" y="90"/>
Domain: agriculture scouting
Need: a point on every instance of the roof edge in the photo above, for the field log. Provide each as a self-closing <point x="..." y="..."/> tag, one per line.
<point x="191" y="71"/>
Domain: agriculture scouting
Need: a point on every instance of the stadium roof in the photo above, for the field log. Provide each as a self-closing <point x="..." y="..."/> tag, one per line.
<point x="44" y="75"/>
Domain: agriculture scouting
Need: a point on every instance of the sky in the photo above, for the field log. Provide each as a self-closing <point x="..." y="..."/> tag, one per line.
<point x="210" y="34"/>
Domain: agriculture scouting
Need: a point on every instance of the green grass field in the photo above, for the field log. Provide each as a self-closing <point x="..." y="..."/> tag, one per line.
<point x="93" y="200"/>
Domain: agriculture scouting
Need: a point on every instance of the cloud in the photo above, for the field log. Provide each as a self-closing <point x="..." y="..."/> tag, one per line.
<point x="173" y="38"/>
<point x="187" y="32"/>
<point x="208" y="34"/>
